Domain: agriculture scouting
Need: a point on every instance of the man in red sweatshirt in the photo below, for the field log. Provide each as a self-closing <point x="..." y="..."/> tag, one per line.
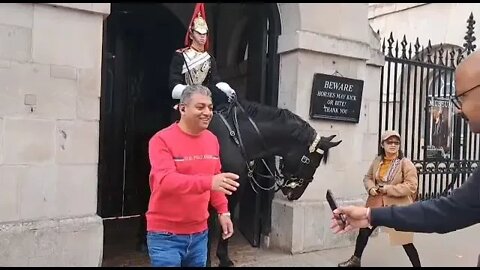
<point x="185" y="177"/>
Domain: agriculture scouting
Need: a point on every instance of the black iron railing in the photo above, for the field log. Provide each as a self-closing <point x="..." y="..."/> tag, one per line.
<point x="417" y="83"/>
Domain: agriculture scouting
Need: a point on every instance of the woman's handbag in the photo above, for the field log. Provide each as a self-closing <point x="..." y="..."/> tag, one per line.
<point x="374" y="201"/>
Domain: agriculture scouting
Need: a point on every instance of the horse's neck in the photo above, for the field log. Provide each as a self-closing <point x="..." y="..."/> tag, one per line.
<point x="280" y="129"/>
<point x="281" y="137"/>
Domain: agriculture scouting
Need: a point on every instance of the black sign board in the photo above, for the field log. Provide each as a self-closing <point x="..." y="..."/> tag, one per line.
<point x="336" y="98"/>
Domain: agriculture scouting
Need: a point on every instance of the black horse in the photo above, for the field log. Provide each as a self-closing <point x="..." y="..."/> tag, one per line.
<point x="249" y="131"/>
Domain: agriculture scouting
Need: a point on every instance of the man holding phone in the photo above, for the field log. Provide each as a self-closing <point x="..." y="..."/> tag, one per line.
<point x="461" y="208"/>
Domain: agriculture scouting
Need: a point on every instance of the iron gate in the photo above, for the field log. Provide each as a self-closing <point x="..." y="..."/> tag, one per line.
<point x="415" y="89"/>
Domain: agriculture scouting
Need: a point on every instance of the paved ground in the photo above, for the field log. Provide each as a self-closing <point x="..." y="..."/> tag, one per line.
<point x="460" y="248"/>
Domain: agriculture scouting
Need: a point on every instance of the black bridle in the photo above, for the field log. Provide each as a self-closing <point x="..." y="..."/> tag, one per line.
<point x="295" y="181"/>
<point x="280" y="182"/>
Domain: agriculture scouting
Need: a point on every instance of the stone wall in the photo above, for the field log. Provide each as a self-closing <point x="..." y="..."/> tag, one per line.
<point x="327" y="38"/>
<point x="439" y="22"/>
<point x="50" y="74"/>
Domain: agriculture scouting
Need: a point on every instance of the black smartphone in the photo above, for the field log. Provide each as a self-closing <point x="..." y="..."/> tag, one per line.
<point x="333" y="206"/>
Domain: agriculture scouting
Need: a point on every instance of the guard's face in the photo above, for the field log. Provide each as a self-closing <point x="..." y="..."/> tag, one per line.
<point x="198" y="38"/>
<point x="197" y="112"/>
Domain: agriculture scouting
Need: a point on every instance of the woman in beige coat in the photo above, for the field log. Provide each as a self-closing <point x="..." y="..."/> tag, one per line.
<point x="390" y="180"/>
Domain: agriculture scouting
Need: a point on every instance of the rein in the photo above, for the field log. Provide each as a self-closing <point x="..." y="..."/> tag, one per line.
<point x="237" y="138"/>
<point x="273" y="174"/>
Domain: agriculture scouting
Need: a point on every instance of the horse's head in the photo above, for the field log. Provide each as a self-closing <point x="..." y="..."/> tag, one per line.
<point x="299" y="165"/>
<point x="265" y="131"/>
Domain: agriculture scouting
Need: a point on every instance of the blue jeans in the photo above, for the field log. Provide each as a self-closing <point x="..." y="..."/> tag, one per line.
<point x="177" y="250"/>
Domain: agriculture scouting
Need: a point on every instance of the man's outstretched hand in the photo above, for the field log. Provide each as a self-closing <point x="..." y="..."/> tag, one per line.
<point x="357" y="217"/>
<point x="225" y="182"/>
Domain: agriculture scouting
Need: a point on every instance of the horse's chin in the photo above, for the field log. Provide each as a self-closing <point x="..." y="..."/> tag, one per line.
<point x="290" y="197"/>
<point x="295" y="194"/>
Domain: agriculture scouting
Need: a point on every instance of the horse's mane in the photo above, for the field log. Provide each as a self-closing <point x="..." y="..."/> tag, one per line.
<point x="259" y="112"/>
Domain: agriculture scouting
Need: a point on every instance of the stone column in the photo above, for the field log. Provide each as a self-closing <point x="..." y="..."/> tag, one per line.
<point x="50" y="73"/>
<point x="327" y="38"/>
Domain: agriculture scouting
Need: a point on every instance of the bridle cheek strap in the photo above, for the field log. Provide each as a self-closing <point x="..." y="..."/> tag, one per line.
<point x="314" y="144"/>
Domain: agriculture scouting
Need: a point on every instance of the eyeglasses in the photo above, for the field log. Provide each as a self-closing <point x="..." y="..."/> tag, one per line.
<point x="457" y="100"/>
<point x="392" y="142"/>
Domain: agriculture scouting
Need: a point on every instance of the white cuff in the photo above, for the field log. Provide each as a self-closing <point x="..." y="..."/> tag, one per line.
<point x="224" y="214"/>
<point x="178" y="90"/>
<point x="225" y="87"/>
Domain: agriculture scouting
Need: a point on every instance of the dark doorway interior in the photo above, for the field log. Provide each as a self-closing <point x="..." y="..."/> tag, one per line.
<point x="136" y="103"/>
<point x="260" y="38"/>
<point x="139" y="41"/>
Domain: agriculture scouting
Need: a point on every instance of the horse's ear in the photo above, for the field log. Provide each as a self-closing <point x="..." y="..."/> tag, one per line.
<point x="324" y="154"/>
<point x="333" y="144"/>
<point x="329" y="138"/>
<point x="328" y="145"/>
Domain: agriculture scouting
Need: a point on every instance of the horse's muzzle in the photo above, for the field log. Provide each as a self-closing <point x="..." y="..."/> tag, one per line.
<point x="296" y="193"/>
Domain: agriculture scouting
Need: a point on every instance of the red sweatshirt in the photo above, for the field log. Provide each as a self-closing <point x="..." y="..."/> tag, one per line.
<point x="181" y="179"/>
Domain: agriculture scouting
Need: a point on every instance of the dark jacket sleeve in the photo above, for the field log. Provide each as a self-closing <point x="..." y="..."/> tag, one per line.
<point x="218" y="96"/>
<point x="175" y="76"/>
<point x="446" y="214"/>
<point x="214" y="77"/>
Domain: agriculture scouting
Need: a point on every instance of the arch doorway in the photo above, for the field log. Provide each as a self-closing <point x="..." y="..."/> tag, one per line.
<point x="139" y="41"/>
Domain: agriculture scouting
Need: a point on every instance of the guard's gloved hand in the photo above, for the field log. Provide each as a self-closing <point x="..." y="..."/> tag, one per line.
<point x="227" y="90"/>
<point x="178" y="90"/>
